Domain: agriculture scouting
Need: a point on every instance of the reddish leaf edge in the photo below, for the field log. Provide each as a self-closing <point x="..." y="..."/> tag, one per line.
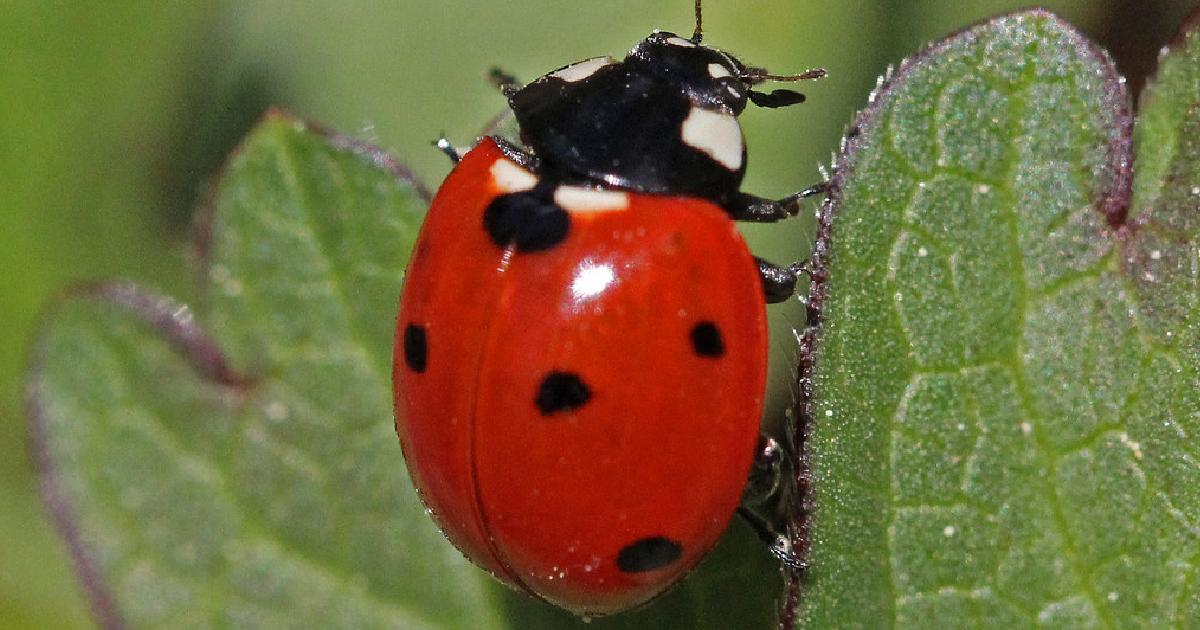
<point x="1112" y="202"/>
<point x="1144" y="216"/>
<point x="176" y="322"/>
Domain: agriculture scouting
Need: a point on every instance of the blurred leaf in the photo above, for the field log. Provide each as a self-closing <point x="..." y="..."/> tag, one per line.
<point x="1166" y="108"/>
<point x="95" y="102"/>
<point x="1005" y="390"/>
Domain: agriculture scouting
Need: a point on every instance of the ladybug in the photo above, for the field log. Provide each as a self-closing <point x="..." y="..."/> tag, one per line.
<point x="580" y="358"/>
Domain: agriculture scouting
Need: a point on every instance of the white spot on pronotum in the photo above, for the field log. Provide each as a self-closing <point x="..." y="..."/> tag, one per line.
<point x="580" y="199"/>
<point x="508" y="177"/>
<point x="716" y="134"/>
<point x="679" y="41"/>
<point x="582" y="69"/>
<point x="716" y="71"/>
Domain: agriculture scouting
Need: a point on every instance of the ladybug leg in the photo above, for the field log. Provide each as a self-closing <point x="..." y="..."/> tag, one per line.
<point x="766" y="475"/>
<point x="779" y="543"/>
<point x="445" y="146"/>
<point x="813" y="191"/>
<point x="508" y="85"/>
<point x="779" y="283"/>
<point x="505" y="82"/>
<point x="497" y="123"/>
<point x="766" y="492"/>
<point x="756" y="209"/>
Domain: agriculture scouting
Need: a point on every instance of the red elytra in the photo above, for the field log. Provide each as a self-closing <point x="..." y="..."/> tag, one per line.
<point x="646" y="329"/>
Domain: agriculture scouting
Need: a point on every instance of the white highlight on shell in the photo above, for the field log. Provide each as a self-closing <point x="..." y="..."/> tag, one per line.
<point x="581" y="70"/>
<point x="715" y="133"/>
<point x="679" y="41"/>
<point x="509" y="177"/>
<point x="716" y="71"/>
<point x="592" y="280"/>
<point x="580" y="199"/>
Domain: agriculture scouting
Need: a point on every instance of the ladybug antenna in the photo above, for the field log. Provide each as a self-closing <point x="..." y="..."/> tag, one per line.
<point x="755" y="76"/>
<point x="698" y="34"/>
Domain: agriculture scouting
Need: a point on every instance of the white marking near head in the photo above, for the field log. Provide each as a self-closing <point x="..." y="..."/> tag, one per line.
<point x="716" y="134"/>
<point x="509" y="177"/>
<point x="679" y="41"/>
<point x="716" y="71"/>
<point x="580" y="199"/>
<point x="581" y="70"/>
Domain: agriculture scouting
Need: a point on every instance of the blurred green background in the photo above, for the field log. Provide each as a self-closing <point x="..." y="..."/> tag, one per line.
<point x="114" y="116"/>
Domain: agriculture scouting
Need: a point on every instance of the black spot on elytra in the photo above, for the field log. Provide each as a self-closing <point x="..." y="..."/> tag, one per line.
<point x="416" y="348"/>
<point x="561" y="391"/>
<point x="648" y="554"/>
<point x="707" y="341"/>
<point x="526" y="220"/>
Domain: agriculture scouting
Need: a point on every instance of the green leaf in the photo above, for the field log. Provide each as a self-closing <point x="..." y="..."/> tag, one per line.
<point x="1004" y="409"/>
<point x="237" y="464"/>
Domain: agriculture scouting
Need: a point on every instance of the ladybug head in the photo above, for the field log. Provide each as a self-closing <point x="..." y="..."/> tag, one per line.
<point x="663" y="120"/>
<point x="711" y="77"/>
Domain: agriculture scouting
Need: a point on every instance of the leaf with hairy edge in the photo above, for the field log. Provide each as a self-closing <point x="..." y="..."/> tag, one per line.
<point x="1003" y="409"/>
